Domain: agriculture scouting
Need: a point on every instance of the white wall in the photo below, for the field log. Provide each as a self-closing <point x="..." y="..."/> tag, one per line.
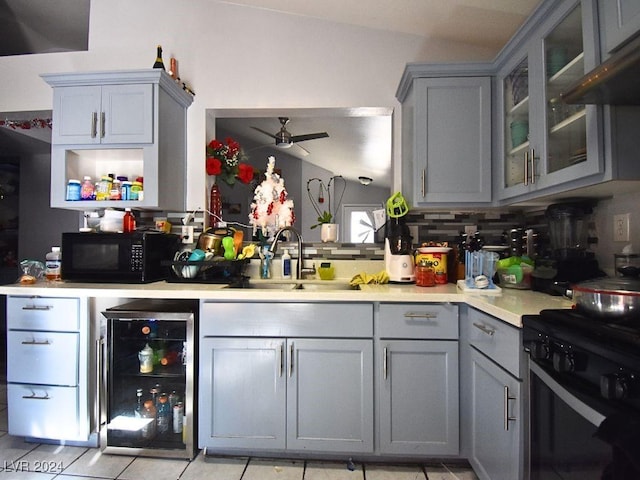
<point x="603" y="217"/>
<point x="235" y="57"/>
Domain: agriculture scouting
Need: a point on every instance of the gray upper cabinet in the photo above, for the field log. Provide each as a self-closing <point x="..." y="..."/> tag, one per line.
<point x="544" y="144"/>
<point x="107" y="114"/>
<point x="446" y="137"/>
<point x="418" y="379"/>
<point x="619" y="22"/>
<point x="129" y="123"/>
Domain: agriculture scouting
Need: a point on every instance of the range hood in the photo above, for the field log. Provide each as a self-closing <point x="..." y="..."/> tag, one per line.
<point x="614" y="82"/>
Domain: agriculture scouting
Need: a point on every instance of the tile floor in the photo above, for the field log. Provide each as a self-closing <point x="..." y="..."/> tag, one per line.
<point x="28" y="461"/>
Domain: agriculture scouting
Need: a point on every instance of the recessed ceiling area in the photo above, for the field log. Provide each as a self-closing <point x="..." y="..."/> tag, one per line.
<point x="43" y="26"/>
<point x="359" y="141"/>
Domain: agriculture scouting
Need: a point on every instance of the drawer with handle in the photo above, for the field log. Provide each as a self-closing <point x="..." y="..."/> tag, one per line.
<point x="496" y="339"/>
<point x="43" y="313"/>
<point x="44" y="411"/>
<point x="416" y="320"/>
<point x="42" y="357"/>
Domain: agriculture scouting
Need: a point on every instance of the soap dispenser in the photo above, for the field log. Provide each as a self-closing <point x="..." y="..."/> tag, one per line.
<point x="286" y="264"/>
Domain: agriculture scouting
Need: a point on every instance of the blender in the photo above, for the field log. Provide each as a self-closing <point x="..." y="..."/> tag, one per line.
<point x="398" y="254"/>
<point x="568" y="260"/>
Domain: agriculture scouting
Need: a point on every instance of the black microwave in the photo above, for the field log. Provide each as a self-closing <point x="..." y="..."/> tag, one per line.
<point x="138" y="257"/>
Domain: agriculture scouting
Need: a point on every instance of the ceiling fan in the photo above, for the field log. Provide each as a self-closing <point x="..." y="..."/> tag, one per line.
<point x="284" y="139"/>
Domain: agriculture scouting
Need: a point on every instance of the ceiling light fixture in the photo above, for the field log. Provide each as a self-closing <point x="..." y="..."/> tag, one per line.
<point x="365" y="180"/>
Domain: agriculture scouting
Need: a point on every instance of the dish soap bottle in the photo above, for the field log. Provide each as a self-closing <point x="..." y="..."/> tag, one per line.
<point x="286" y="264"/>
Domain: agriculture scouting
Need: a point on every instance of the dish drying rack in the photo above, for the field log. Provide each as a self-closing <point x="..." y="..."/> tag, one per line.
<point x="479" y="269"/>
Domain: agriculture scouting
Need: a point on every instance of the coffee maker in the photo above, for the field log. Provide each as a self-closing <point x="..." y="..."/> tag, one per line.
<point x="398" y="253"/>
<point x="568" y="259"/>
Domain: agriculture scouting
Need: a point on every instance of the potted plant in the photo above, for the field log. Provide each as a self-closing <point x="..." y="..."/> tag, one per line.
<point x="329" y="230"/>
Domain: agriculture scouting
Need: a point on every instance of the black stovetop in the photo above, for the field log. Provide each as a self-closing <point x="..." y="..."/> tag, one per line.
<point x="618" y="340"/>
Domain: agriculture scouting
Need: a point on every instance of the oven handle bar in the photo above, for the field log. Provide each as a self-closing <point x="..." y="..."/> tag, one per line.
<point x="588" y="413"/>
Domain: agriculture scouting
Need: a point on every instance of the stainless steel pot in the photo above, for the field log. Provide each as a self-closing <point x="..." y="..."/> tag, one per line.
<point x="608" y="298"/>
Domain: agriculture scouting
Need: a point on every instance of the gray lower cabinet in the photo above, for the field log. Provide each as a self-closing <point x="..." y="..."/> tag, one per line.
<point x="495" y="436"/>
<point x="51" y="364"/>
<point x="286" y="376"/>
<point x="495" y="381"/>
<point x="418" y="379"/>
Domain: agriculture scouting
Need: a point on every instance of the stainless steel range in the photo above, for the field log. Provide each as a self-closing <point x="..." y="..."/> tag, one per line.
<point x="584" y="396"/>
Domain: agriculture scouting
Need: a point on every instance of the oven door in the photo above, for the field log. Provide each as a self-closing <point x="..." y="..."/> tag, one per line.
<point x="563" y="422"/>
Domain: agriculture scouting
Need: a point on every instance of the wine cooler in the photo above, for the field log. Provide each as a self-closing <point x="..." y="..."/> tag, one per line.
<point x="148" y="380"/>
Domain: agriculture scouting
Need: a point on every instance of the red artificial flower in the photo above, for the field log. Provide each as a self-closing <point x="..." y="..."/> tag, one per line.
<point x="215" y="144"/>
<point x="213" y="166"/>
<point x="245" y="173"/>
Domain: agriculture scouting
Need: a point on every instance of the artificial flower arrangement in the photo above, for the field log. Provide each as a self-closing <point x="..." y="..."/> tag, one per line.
<point x="271" y="209"/>
<point x="224" y="159"/>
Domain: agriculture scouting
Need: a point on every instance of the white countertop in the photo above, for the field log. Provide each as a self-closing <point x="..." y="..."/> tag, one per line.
<point x="509" y="305"/>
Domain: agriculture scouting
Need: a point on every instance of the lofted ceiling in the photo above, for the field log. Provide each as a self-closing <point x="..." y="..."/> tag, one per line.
<point x="358" y="144"/>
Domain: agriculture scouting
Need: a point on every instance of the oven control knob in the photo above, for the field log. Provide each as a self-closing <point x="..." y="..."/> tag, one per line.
<point x="614" y="386"/>
<point x="540" y="350"/>
<point x="563" y="362"/>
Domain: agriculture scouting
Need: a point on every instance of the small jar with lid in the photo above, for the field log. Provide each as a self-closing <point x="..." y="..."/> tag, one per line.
<point x="425" y="274"/>
<point x="103" y="189"/>
<point x="73" y="190"/>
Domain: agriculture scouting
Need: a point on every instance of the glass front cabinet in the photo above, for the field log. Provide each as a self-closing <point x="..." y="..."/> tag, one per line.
<point x="543" y="142"/>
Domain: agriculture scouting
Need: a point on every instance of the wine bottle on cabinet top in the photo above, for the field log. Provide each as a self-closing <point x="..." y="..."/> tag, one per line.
<point x="158" y="63"/>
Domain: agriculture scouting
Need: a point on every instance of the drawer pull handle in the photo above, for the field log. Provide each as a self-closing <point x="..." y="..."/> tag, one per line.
<point x="420" y="315"/>
<point x="507" y="418"/>
<point x="33" y="396"/>
<point x="485" y="329"/>
<point x="33" y="342"/>
<point x="37" y="307"/>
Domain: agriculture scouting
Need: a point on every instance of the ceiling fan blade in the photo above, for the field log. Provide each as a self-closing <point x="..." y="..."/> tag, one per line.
<point x="303" y="151"/>
<point x="265" y="132"/>
<point x="308" y="136"/>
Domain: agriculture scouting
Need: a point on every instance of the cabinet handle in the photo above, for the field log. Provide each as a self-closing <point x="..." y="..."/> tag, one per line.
<point x="33" y="342"/>
<point x="485" y="329"/>
<point x="423" y="182"/>
<point x="425" y="315"/>
<point x="37" y="307"/>
<point x="33" y="396"/>
<point x="533" y="166"/>
<point x="94" y="124"/>
<point x="290" y="359"/>
<point x="99" y="358"/>
<point x="281" y="359"/>
<point x="385" y="365"/>
<point x="507" y="418"/>
<point x="102" y="121"/>
<point x="526" y="167"/>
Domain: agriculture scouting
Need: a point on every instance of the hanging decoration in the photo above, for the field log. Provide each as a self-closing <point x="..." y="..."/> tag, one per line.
<point x="26" y="124"/>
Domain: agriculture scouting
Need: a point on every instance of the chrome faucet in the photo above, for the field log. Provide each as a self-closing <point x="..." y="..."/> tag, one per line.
<point x="300" y="270"/>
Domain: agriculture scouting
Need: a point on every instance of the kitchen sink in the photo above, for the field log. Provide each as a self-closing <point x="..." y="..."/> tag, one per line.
<point x="311" y="286"/>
